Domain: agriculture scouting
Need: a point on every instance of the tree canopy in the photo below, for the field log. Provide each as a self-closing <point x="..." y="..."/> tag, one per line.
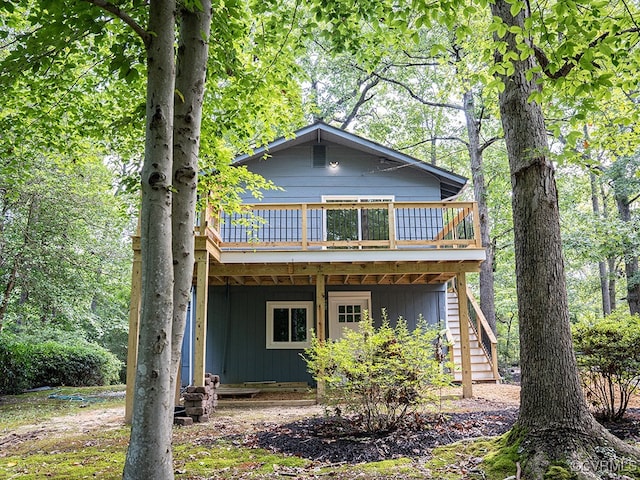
<point x="419" y="77"/>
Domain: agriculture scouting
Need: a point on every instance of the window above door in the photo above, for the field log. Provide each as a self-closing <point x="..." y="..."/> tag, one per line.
<point x="356" y="224"/>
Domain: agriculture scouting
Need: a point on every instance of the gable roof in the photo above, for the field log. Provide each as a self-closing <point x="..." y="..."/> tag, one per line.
<point x="450" y="183"/>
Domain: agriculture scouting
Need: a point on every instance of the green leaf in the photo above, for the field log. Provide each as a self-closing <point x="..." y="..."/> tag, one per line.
<point x="515" y="9"/>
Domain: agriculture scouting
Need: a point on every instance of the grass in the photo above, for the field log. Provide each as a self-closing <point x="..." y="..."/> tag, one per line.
<point x="32" y="408"/>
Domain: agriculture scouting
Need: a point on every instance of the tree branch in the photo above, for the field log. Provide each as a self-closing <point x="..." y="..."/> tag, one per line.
<point x="569" y="64"/>
<point x="124" y="16"/>
<point x="418" y="97"/>
<point x="489" y="142"/>
<point x="361" y="101"/>
<point x="432" y="139"/>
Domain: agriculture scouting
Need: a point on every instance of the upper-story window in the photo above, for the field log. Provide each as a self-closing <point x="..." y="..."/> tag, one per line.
<point x="357" y="223"/>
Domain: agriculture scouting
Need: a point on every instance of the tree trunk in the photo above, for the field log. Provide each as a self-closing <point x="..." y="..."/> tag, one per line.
<point x="602" y="265"/>
<point x="8" y="290"/>
<point x="554" y="423"/>
<point x="487" y="294"/>
<point x="630" y="260"/>
<point x="190" y="79"/>
<point x="17" y="260"/>
<point x="611" y="264"/>
<point x="611" y="261"/>
<point x="149" y="455"/>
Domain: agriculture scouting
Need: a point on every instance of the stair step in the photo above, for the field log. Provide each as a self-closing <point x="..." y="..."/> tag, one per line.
<point x="474" y="351"/>
<point x="481" y="368"/>
<point x="477" y="360"/>
<point x="478" y="367"/>
<point x="476" y="376"/>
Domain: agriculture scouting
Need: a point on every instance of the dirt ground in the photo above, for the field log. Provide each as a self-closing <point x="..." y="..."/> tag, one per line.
<point x="230" y="420"/>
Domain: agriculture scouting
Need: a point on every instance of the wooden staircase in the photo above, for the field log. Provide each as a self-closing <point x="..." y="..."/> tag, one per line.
<point x="483" y="369"/>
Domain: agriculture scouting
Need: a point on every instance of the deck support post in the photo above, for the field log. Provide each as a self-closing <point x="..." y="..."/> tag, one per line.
<point x="134" y="323"/>
<point x="202" y="294"/>
<point x="321" y="301"/>
<point x="465" y="349"/>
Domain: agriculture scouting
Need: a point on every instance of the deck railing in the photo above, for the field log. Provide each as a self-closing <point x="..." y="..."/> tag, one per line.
<point x="344" y="225"/>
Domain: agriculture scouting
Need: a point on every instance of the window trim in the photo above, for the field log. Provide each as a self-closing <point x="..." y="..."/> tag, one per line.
<point x="271" y="306"/>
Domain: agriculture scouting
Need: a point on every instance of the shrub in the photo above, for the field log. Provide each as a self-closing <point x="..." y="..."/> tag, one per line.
<point x="382" y="375"/>
<point x="14" y="374"/>
<point x="29" y="365"/>
<point x="609" y="361"/>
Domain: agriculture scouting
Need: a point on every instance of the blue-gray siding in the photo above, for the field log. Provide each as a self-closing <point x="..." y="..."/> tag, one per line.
<point x="357" y="173"/>
<point x="237" y="325"/>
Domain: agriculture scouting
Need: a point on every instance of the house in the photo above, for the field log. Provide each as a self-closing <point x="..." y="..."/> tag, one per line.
<point x="356" y="227"/>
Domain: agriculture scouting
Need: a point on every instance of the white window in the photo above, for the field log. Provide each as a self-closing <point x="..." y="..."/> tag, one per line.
<point x="358" y="224"/>
<point x="289" y="324"/>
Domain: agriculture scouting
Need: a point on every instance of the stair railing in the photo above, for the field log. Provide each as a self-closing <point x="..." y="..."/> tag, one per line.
<point x="488" y="340"/>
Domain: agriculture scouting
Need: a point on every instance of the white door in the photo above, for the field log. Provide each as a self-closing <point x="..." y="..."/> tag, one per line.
<point x="346" y="310"/>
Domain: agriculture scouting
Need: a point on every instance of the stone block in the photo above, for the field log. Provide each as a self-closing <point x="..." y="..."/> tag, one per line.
<point x="194" y="397"/>
<point x="183" y="421"/>
<point x="194" y="411"/>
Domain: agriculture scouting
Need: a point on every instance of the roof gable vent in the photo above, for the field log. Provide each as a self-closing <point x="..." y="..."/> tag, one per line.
<point x="319" y="156"/>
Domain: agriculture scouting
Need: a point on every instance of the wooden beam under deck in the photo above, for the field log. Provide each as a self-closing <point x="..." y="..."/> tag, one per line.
<point x="386" y="273"/>
<point x="134" y="327"/>
<point x="372" y="268"/>
<point x="465" y="352"/>
<point x="202" y="293"/>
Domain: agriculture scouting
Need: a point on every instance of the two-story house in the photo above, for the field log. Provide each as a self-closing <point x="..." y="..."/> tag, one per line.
<point x="356" y="227"/>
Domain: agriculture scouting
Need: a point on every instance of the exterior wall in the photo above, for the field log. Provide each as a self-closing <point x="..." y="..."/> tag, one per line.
<point x="357" y="173"/>
<point x="237" y="323"/>
<point x="236" y="335"/>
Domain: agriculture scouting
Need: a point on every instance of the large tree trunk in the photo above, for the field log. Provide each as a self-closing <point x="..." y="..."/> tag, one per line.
<point x="487" y="294"/>
<point x="630" y="259"/>
<point x="554" y="423"/>
<point x="190" y="79"/>
<point x="149" y="455"/>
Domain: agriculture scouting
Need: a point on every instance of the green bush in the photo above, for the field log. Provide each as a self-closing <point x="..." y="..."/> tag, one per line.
<point x="382" y="375"/>
<point x="609" y="361"/>
<point x="30" y="365"/>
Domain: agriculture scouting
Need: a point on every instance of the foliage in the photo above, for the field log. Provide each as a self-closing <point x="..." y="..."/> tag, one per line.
<point x="64" y="258"/>
<point x="29" y="365"/>
<point x="609" y="361"/>
<point x="383" y="374"/>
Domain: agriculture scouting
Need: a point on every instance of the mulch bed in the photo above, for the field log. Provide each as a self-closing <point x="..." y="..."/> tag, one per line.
<point x="331" y="439"/>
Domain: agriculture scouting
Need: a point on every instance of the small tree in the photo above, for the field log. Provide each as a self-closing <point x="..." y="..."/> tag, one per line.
<point x="609" y="361"/>
<point x="382" y="375"/>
